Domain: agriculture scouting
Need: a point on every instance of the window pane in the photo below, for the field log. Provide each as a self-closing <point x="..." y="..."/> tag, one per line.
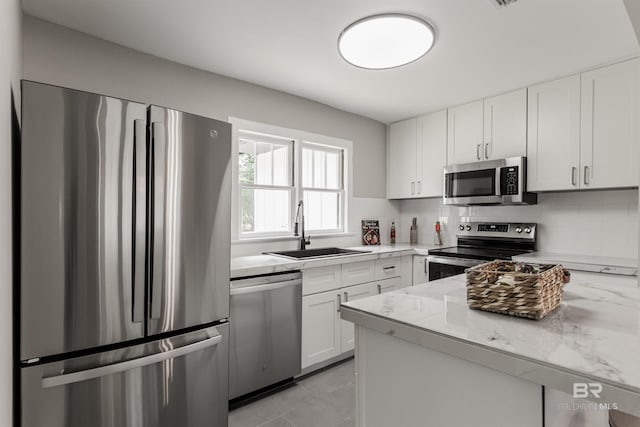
<point x="264" y="163"/>
<point x="333" y="171"/>
<point x="322" y="210"/>
<point x="265" y="211"/>
<point x="307" y="167"/>
<point x="321" y="168"/>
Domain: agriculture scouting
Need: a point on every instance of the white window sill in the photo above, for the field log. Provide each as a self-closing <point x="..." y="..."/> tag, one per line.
<point x="290" y="238"/>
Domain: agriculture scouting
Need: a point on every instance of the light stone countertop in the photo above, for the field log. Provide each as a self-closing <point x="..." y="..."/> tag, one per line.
<point x="594" y="336"/>
<point x="583" y="262"/>
<point x="265" y="264"/>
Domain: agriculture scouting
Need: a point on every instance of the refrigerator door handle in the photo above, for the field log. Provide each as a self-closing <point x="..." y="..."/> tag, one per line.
<point x="158" y="194"/>
<point x="140" y="219"/>
<point x="75" y="377"/>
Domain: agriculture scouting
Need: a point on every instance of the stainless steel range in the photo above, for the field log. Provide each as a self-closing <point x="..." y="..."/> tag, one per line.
<point x="479" y="242"/>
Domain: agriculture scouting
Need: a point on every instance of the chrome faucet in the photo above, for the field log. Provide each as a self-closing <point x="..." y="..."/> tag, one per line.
<point x="299" y="224"/>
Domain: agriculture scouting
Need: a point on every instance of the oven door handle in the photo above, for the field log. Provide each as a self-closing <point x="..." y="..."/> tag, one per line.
<point x="460" y="262"/>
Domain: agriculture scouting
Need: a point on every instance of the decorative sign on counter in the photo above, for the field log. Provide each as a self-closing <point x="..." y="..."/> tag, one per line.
<point x="370" y="232"/>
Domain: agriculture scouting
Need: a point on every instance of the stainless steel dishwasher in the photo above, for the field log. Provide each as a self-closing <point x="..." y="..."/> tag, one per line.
<point x="266" y="331"/>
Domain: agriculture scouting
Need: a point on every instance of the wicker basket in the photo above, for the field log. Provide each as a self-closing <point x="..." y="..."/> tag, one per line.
<point x="516" y="289"/>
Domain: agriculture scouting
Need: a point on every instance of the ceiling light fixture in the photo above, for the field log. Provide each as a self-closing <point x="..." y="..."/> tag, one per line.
<point x="385" y="41"/>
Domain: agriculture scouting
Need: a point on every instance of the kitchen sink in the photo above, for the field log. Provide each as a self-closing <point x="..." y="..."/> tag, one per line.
<point x="316" y="253"/>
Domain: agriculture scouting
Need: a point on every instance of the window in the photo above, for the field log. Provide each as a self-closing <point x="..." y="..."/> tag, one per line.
<point x="276" y="168"/>
<point x="265" y="174"/>
<point x="322" y="189"/>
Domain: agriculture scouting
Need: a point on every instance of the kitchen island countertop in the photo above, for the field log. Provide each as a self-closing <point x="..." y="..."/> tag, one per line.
<point x="594" y="336"/>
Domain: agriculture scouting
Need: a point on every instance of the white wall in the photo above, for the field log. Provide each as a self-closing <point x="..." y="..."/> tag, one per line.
<point x="10" y="71"/>
<point x="57" y="55"/>
<point x="587" y="223"/>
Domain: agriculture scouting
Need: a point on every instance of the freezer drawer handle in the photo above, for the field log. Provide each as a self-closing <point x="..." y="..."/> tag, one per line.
<point x="128" y="365"/>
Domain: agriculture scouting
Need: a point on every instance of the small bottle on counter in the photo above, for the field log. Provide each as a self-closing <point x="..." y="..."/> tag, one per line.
<point x="392" y="234"/>
<point x="413" y="232"/>
<point x="437" y="237"/>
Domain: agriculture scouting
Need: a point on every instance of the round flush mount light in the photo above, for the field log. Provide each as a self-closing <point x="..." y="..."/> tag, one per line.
<point x="385" y="41"/>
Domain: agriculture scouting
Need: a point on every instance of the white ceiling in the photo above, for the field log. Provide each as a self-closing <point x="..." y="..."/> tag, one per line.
<point x="290" y="45"/>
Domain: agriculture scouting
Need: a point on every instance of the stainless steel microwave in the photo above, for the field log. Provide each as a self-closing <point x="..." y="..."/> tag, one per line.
<point x="491" y="182"/>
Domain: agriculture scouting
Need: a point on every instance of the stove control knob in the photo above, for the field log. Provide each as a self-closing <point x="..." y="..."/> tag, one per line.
<point x="468" y="228"/>
<point x="461" y="228"/>
<point x="527" y="230"/>
<point x="518" y="230"/>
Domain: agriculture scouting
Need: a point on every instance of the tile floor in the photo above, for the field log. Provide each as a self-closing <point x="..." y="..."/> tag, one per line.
<point x="325" y="399"/>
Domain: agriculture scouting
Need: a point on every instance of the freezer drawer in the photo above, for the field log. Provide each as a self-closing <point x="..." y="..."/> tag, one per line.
<point x="181" y="381"/>
<point x="266" y="331"/>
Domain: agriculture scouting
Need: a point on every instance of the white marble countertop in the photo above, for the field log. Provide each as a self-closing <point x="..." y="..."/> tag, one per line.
<point x="593" y="336"/>
<point x="612" y="265"/>
<point x="266" y="264"/>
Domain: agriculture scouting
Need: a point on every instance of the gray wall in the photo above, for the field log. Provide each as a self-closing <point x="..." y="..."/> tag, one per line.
<point x="10" y="70"/>
<point x="54" y="54"/>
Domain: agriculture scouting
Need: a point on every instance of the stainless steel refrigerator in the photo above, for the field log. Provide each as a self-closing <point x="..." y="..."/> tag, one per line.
<point x="124" y="263"/>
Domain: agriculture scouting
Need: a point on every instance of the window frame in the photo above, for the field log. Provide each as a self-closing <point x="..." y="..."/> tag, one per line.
<point x="299" y="139"/>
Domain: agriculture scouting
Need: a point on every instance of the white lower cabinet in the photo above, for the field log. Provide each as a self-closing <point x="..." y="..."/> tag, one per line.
<point x="388" y="285"/>
<point x="324" y="334"/>
<point x="353" y="293"/>
<point x="320" y="327"/>
<point x="420" y="269"/>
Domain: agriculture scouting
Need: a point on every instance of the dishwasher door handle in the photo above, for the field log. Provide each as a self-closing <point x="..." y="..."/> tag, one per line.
<point x="264" y="288"/>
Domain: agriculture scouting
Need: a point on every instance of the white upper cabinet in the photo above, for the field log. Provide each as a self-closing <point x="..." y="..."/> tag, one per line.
<point x="553" y="151"/>
<point x="610" y="129"/>
<point x="464" y="138"/>
<point x="584" y="130"/>
<point x="417" y="155"/>
<point x="401" y="173"/>
<point x="432" y="150"/>
<point x="505" y="125"/>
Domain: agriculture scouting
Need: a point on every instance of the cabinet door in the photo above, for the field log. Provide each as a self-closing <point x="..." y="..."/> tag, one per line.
<point x="432" y="152"/>
<point x="464" y="136"/>
<point x="406" y="270"/>
<point x="353" y="293"/>
<point x="388" y="285"/>
<point x="610" y="126"/>
<point x="553" y="150"/>
<point x="402" y="159"/>
<point x="321" y="279"/>
<point x="420" y="270"/>
<point x="505" y="125"/>
<point x="354" y="273"/>
<point x="320" y="327"/>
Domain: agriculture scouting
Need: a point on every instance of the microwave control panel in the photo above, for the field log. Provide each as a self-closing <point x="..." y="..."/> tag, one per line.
<point x="509" y="180"/>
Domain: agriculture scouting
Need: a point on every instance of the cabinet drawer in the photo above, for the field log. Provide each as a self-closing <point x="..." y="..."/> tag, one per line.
<point x="387" y="268"/>
<point x="388" y="285"/>
<point x="358" y="272"/>
<point x="321" y="279"/>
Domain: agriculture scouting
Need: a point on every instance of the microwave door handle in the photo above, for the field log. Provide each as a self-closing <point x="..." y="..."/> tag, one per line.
<point x="140" y="218"/>
<point x="157" y="229"/>
<point x="498" y="193"/>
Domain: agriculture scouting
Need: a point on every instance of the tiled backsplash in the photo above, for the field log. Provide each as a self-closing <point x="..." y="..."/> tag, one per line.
<point x="587" y="222"/>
